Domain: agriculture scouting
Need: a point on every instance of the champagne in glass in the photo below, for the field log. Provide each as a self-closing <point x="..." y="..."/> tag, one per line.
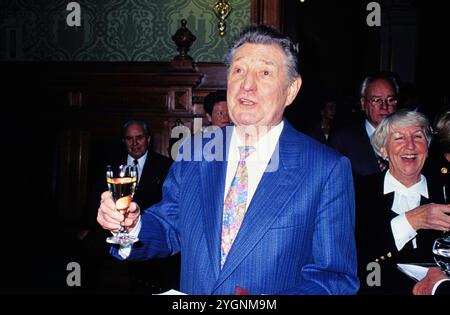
<point x="122" y="182"/>
<point x="441" y="246"/>
<point x="122" y="190"/>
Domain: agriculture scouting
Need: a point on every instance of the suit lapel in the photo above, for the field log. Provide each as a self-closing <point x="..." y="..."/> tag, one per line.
<point x="273" y="192"/>
<point x="423" y="237"/>
<point x="370" y="154"/>
<point x="213" y="176"/>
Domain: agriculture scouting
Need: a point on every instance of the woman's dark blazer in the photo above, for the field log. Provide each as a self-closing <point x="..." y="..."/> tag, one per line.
<point x="375" y="242"/>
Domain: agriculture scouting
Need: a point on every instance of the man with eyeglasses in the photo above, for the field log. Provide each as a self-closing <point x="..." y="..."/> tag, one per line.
<point x="242" y="223"/>
<point x="378" y="98"/>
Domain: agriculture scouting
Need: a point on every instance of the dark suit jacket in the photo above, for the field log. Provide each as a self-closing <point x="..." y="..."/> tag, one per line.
<point x="149" y="189"/>
<point x="296" y="236"/>
<point x="374" y="237"/>
<point x="316" y="132"/>
<point x="144" y="277"/>
<point x="437" y="169"/>
<point x="443" y="288"/>
<point x="353" y="142"/>
<point x="157" y="275"/>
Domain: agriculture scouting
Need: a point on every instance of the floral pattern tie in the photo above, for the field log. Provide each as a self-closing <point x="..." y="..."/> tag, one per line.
<point x="235" y="204"/>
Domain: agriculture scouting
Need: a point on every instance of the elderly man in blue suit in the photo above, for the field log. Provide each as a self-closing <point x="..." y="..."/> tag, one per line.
<point x="276" y="220"/>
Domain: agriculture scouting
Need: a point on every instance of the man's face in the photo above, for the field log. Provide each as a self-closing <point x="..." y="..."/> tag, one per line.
<point x="219" y="116"/>
<point x="136" y="141"/>
<point x="258" y="88"/>
<point x="378" y="101"/>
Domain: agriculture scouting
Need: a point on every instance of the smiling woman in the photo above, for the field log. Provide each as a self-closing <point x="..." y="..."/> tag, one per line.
<point x="403" y="139"/>
<point x="399" y="213"/>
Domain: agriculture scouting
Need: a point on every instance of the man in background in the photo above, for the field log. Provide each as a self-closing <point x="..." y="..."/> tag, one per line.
<point x="215" y="105"/>
<point x="378" y="98"/>
<point x="275" y="216"/>
<point x="134" y="277"/>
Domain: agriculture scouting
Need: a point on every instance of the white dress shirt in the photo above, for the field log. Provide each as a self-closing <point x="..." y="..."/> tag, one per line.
<point x="405" y="199"/>
<point x="369" y="128"/>
<point x="141" y="162"/>
<point x="256" y="162"/>
<point x="124" y="251"/>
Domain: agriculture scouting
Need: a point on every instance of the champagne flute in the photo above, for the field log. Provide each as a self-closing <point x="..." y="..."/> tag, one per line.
<point x="122" y="182"/>
<point x="441" y="246"/>
<point x="446" y="195"/>
<point x="441" y="253"/>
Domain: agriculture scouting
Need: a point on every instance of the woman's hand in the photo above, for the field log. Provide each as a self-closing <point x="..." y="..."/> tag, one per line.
<point x="431" y="216"/>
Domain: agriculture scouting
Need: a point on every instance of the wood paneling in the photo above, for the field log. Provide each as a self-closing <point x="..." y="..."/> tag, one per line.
<point x="70" y="112"/>
<point x="81" y="108"/>
<point x="267" y="12"/>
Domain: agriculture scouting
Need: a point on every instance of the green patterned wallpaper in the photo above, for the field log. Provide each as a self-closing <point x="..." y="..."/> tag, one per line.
<point x="114" y="30"/>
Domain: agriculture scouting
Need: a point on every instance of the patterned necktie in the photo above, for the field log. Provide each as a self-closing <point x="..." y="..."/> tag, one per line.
<point x="235" y="204"/>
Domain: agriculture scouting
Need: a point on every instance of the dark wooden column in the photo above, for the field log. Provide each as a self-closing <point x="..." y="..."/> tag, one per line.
<point x="267" y="12"/>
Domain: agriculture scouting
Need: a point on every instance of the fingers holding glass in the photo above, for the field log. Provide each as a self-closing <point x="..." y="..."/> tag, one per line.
<point x="122" y="181"/>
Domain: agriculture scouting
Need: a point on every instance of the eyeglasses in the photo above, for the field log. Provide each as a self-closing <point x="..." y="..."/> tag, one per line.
<point x="390" y="101"/>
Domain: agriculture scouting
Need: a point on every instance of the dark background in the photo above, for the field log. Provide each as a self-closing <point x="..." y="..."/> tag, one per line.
<point x="338" y="49"/>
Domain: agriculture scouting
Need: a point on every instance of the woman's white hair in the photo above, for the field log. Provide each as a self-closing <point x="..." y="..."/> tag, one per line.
<point x="401" y="118"/>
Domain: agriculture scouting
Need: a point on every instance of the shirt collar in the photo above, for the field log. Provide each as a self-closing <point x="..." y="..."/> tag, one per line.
<point x="141" y="160"/>
<point x="263" y="148"/>
<point x="369" y="128"/>
<point x="391" y="184"/>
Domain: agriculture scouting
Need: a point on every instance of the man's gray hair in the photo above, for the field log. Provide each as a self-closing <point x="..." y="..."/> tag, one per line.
<point x="401" y="118"/>
<point x="138" y="122"/>
<point x="380" y="76"/>
<point x="262" y="34"/>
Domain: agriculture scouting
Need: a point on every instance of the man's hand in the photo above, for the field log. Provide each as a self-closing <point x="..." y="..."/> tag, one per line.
<point x="111" y="219"/>
<point x="425" y="286"/>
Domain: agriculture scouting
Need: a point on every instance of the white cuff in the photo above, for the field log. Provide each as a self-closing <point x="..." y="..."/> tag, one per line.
<point x="125" y="250"/>
<point x="402" y="231"/>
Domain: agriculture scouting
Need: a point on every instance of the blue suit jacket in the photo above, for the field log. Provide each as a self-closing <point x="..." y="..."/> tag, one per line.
<point x="297" y="236"/>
